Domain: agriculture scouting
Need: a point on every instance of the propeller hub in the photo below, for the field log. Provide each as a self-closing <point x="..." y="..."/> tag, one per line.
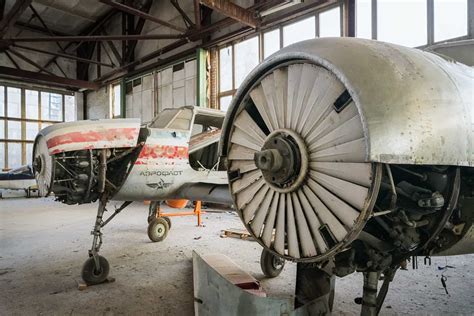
<point x="37" y="164"/>
<point x="279" y="160"/>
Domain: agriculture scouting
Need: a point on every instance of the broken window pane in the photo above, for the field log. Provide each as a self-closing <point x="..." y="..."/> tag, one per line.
<point x="225" y="69"/>
<point x="330" y="23"/>
<point x="31" y="101"/>
<point x="271" y="42"/>
<point x="364" y="18"/>
<point x="299" y="31"/>
<point x="14" y="102"/>
<point x="450" y="19"/>
<point x="51" y="106"/>
<point x="412" y="32"/>
<point x="246" y="57"/>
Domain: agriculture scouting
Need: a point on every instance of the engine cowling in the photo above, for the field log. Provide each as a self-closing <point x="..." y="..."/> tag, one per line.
<point x="339" y="146"/>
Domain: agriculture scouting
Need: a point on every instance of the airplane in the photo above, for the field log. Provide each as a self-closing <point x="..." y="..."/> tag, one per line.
<point x="175" y="156"/>
<point x="18" y="179"/>
<point x="338" y="164"/>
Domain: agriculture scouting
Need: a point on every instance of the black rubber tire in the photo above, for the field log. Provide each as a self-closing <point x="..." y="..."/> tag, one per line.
<point x="89" y="272"/>
<point x="168" y="220"/>
<point x="158" y="229"/>
<point x="270" y="264"/>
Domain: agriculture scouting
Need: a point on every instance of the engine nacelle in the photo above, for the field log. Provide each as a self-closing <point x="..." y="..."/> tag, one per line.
<point x="355" y="150"/>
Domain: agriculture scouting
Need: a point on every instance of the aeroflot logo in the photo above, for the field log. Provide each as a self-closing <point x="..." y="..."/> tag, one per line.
<point x="161" y="173"/>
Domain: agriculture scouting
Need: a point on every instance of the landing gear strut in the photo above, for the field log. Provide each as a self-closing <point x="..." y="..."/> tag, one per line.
<point x="371" y="300"/>
<point x="96" y="269"/>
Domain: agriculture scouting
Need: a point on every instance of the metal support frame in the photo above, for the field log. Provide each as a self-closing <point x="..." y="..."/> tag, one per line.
<point x="90" y="61"/>
<point x="92" y="38"/>
<point x="141" y="14"/>
<point x="15" y="12"/>
<point x="187" y="20"/>
<point x="233" y="11"/>
<point x="31" y="76"/>
<point x="155" y="211"/>
<point x="29" y="61"/>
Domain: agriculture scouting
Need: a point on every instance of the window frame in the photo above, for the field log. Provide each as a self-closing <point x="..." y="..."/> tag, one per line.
<point x="260" y="35"/>
<point x="430" y="23"/>
<point x="23" y="120"/>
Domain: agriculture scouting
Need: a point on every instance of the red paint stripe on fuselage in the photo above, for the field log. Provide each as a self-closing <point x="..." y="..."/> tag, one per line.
<point x="161" y="151"/>
<point x="111" y="134"/>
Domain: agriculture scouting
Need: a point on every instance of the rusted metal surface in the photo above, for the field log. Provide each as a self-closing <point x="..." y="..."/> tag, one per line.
<point x="416" y="107"/>
<point x="233" y="11"/>
<point x="117" y="133"/>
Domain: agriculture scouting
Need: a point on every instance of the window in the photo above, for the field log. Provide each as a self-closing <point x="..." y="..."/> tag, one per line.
<point x="225" y="102"/>
<point x="14" y="155"/>
<point x="412" y="31"/>
<point x="271" y="42"/>
<point x="14" y="130"/>
<point x="364" y="18"/>
<point x="29" y="153"/>
<point x="299" y="31"/>
<point x="23" y="112"/>
<point x="116" y="101"/>
<point x="2" y="156"/>
<point x="330" y="23"/>
<point x="225" y="69"/>
<point x="14" y="102"/>
<point x="70" y="113"/>
<point x="32" y="129"/>
<point x="246" y="57"/>
<point x="450" y="19"/>
<point x="32" y="104"/>
<point x="51" y="106"/>
<point x="2" y="101"/>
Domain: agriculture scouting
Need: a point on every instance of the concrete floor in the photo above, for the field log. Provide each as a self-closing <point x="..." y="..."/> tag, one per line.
<point x="43" y="245"/>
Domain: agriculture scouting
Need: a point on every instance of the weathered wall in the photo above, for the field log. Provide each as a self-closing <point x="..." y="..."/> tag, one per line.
<point x="147" y="98"/>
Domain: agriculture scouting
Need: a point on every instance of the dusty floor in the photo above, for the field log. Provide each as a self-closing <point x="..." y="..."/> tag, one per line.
<point x="43" y="245"/>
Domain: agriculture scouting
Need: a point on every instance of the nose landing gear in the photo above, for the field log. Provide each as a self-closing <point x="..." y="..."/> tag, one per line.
<point x="96" y="269"/>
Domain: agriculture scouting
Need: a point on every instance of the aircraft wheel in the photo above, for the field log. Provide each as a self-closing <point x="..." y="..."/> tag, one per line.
<point x="150" y="218"/>
<point x="271" y="265"/>
<point x="90" y="274"/>
<point x="158" y="229"/>
<point x="168" y="220"/>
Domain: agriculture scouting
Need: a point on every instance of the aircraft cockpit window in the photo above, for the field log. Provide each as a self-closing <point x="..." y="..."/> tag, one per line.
<point x="182" y="121"/>
<point x="173" y="119"/>
<point x="164" y="118"/>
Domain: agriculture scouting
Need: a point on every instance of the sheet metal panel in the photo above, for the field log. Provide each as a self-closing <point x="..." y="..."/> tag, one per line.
<point x="416" y="107"/>
<point x="89" y="134"/>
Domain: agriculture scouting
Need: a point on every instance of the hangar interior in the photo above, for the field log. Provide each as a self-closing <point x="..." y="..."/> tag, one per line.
<point x="71" y="61"/>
